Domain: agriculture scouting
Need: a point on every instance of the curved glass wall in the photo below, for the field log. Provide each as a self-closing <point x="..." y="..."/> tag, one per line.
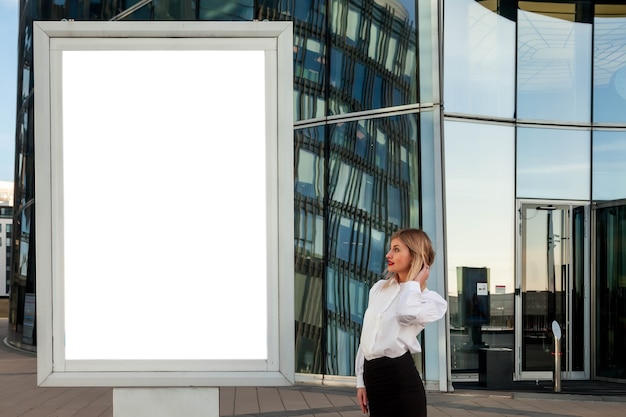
<point x="480" y="238"/>
<point x="553" y="62"/>
<point x="356" y="146"/>
<point x="550" y="73"/>
<point x="609" y="167"/>
<point x="553" y="163"/>
<point x="373" y="55"/>
<point x="479" y="61"/>
<point x="609" y="65"/>
<point x="533" y="86"/>
<point x="611" y="291"/>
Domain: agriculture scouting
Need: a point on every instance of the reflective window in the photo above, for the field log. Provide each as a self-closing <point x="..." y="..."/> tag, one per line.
<point x="609" y="165"/>
<point x="553" y="163"/>
<point x="430" y="162"/>
<point x="479" y="61"/>
<point x="184" y="9"/>
<point x="309" y="235"/>
<point x="308" y="311"/>
<point x="480" y="214"/>
<point x="553" y="71"/>
<point x="428" y="55"/>
<point x="609" y="65"/>
<point x="26" y="81"/>
<point x="610" y="295"/>
<point x="309" y="176"/>
<point x="373" y="60"/>
<point x="372" y="190"/>
<point x="340" y="344"/>
<point x="310" y="54"/>
<point x="546" y="253"/>
<point x="215" y="9"/>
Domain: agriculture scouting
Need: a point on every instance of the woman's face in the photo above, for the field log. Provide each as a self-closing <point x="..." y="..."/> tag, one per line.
<point x="399" y="258"/>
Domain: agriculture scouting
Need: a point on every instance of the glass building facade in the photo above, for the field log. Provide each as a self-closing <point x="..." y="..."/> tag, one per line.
<point x="534" y="140"/>
<point x="499" y="127"/>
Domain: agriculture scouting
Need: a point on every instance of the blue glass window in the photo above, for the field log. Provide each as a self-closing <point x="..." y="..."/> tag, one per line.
<point x="373" y="60"/>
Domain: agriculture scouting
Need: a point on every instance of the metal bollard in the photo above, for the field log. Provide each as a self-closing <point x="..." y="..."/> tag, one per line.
<point x="556" y="330"/>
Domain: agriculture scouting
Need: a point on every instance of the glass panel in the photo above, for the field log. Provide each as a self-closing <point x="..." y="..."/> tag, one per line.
<point x="609" y="64"/>
<point x="184" y="9"/>
<point x="225" y="10"/>
<point x="577" y="319"/>
<point x="430" y="122"/>
<point x="545" y="260"/>
<point x="373" y="58"/>
<point x="479" y="61"/>
<point x="480" y="238"/>
<point x="21" y="327"/>
<point x="309" y="247"/>
<point x="610" y="292"/>
<point x="310" y="52"/>
<point x="372" y="188"/>
<point x="342" y="296"/>
<point x="609" y="169"/>
<point x="553" y="163"/>
<point x="428" y="54"/>
<point x="553" y="71"/>
<point x="308" y="313"/>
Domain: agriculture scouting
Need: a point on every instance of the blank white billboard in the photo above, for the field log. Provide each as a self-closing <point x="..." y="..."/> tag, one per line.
<point x="164" y="203"/>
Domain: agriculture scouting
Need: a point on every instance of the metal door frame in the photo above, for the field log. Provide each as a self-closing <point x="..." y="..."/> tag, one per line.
<point x="567" y="359"/>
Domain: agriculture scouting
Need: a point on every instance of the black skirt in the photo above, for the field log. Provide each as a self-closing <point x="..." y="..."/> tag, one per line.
<point x="394" y="387"/>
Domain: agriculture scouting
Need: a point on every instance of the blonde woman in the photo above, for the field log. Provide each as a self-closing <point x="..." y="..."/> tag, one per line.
<point x="399" y="307"/>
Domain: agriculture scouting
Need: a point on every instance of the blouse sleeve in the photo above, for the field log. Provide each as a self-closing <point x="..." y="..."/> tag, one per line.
<point x="358" y="368"/>
<point x="420" y="307"/>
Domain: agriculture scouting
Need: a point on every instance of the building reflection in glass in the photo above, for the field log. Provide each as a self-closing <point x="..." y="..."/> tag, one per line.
<point x="610" y="290"/>
<point x="345" y="210"/>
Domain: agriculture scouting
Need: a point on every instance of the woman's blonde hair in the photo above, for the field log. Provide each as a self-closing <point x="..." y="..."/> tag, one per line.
<point x="421" y="248"/>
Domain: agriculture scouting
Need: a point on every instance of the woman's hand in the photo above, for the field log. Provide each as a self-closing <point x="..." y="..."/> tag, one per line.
<point x="422" y="276"/>
<point x="361" y="396"/>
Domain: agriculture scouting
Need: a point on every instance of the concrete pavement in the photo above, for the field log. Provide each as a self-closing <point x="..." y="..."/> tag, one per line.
<point x="20" y="397"/>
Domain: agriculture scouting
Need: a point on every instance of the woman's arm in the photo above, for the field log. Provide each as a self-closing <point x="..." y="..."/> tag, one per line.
<point x="361" y="394"/>
<point x="417" y="306"/>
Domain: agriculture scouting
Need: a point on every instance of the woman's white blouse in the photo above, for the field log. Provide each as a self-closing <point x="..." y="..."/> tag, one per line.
<point x="395" y="315"/>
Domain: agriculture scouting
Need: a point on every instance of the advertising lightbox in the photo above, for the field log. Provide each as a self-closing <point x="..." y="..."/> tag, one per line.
<point x="164" y="203"/>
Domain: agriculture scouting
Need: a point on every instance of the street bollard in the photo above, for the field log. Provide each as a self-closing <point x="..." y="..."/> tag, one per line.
<point x="556" y="330"/>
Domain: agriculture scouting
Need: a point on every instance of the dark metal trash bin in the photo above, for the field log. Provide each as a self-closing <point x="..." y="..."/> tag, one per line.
<point x="495" y="368"/>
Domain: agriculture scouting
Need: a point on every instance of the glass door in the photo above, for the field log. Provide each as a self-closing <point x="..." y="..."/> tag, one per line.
<point x="551" y="284"/>
<point x="610" y="290"/>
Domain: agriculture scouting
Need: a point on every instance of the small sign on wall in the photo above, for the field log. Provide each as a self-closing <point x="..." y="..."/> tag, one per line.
<point x="481" y="288"/>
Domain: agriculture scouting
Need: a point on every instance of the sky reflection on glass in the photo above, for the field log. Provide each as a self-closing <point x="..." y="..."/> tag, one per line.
<point x="480" y="201"/>
<point x="609" y="70"/>
<point x="609" y="168"/>
<point x="553" y="71"/>
<point x="553" y="163"/>
<point x="479" y="61"/>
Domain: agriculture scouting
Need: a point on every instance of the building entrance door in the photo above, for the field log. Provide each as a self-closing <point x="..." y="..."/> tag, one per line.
<point x="552" y="283"/>
<point x="609" y="274"/>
